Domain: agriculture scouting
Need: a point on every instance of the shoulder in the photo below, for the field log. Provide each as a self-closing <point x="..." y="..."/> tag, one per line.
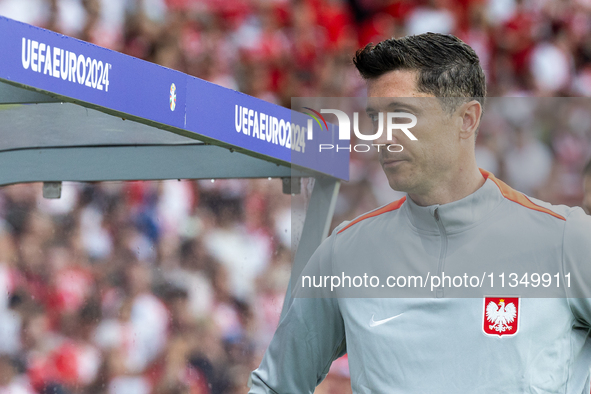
<point x="368" y="217"/>
<point x="575" y="226"/>
<point x="576" y="260"/>
<point x="574" y="218"/>
<point x="578" y="226"/>
<point x="526" y="202"/>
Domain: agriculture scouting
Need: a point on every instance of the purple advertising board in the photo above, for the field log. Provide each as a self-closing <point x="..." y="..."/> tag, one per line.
<point x="83" y="73"/>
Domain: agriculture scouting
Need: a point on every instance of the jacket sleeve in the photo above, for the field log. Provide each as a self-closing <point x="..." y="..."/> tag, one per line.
<point x="577" y="264"/>
<point x="309" y="337"/>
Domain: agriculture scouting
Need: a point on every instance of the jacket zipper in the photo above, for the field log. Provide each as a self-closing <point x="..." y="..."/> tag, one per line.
<point x="442" y="252"/>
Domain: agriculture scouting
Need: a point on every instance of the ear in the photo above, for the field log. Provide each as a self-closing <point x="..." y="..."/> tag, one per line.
<point x="469" y="113"/>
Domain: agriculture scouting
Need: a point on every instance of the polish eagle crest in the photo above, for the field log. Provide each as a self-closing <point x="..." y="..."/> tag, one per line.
<point x="501" y="316"/>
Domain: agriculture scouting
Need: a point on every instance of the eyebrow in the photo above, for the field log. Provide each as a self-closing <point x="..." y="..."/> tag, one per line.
<point x="395" y="103"/>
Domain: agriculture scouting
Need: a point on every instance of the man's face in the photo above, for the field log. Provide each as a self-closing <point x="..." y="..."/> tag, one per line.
<point x="587" y="196"/>
<point x="425" y="162"/>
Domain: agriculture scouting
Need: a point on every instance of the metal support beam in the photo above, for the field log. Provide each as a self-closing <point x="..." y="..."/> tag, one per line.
<point x="120" y="163"/>
<point x="10" y="94"/>
<point x="316" y="225"/>
<point x="52" y="190"/>
<point x="292" y="185"/>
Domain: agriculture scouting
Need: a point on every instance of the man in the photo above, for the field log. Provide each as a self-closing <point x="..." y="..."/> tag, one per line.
<point x="587" y="188"/>
<point x="455" y="218"/>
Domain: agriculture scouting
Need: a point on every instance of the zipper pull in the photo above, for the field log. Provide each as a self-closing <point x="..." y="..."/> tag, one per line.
<point x="436" y="214"/>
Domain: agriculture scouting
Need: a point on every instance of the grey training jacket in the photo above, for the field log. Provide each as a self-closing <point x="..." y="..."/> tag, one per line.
<point x="445" y="343"/>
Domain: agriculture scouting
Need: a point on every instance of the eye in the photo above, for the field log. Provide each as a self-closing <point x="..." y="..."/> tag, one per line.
<point x="373" y="117"/>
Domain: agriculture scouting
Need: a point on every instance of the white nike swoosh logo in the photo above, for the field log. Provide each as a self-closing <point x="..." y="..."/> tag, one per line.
<point x="373" y="323"/>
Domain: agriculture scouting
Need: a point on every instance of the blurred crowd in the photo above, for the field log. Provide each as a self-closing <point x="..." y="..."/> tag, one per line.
<point x="176" y="287"/>
<point x="140" y="287"/>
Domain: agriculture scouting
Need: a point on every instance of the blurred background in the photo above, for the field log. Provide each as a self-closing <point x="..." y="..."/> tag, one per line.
<point x="175" y="287"/>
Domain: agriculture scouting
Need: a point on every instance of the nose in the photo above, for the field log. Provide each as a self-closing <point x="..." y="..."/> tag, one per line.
<point x="382" y="137"/>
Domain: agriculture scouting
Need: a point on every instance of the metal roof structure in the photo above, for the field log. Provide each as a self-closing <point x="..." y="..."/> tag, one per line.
<point x="73" y="111"/>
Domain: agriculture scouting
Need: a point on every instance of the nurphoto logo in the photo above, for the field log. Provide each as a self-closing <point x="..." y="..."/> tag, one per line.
<point x="392" y="123"/>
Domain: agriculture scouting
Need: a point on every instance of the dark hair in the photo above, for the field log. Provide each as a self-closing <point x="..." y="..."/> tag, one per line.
<point x="447" y="67"/>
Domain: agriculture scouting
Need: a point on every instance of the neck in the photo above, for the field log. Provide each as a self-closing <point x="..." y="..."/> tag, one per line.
<point x="455" y="186"/>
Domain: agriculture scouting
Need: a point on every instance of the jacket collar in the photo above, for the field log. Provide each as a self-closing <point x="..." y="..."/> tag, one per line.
<point x="458" y="215"/>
